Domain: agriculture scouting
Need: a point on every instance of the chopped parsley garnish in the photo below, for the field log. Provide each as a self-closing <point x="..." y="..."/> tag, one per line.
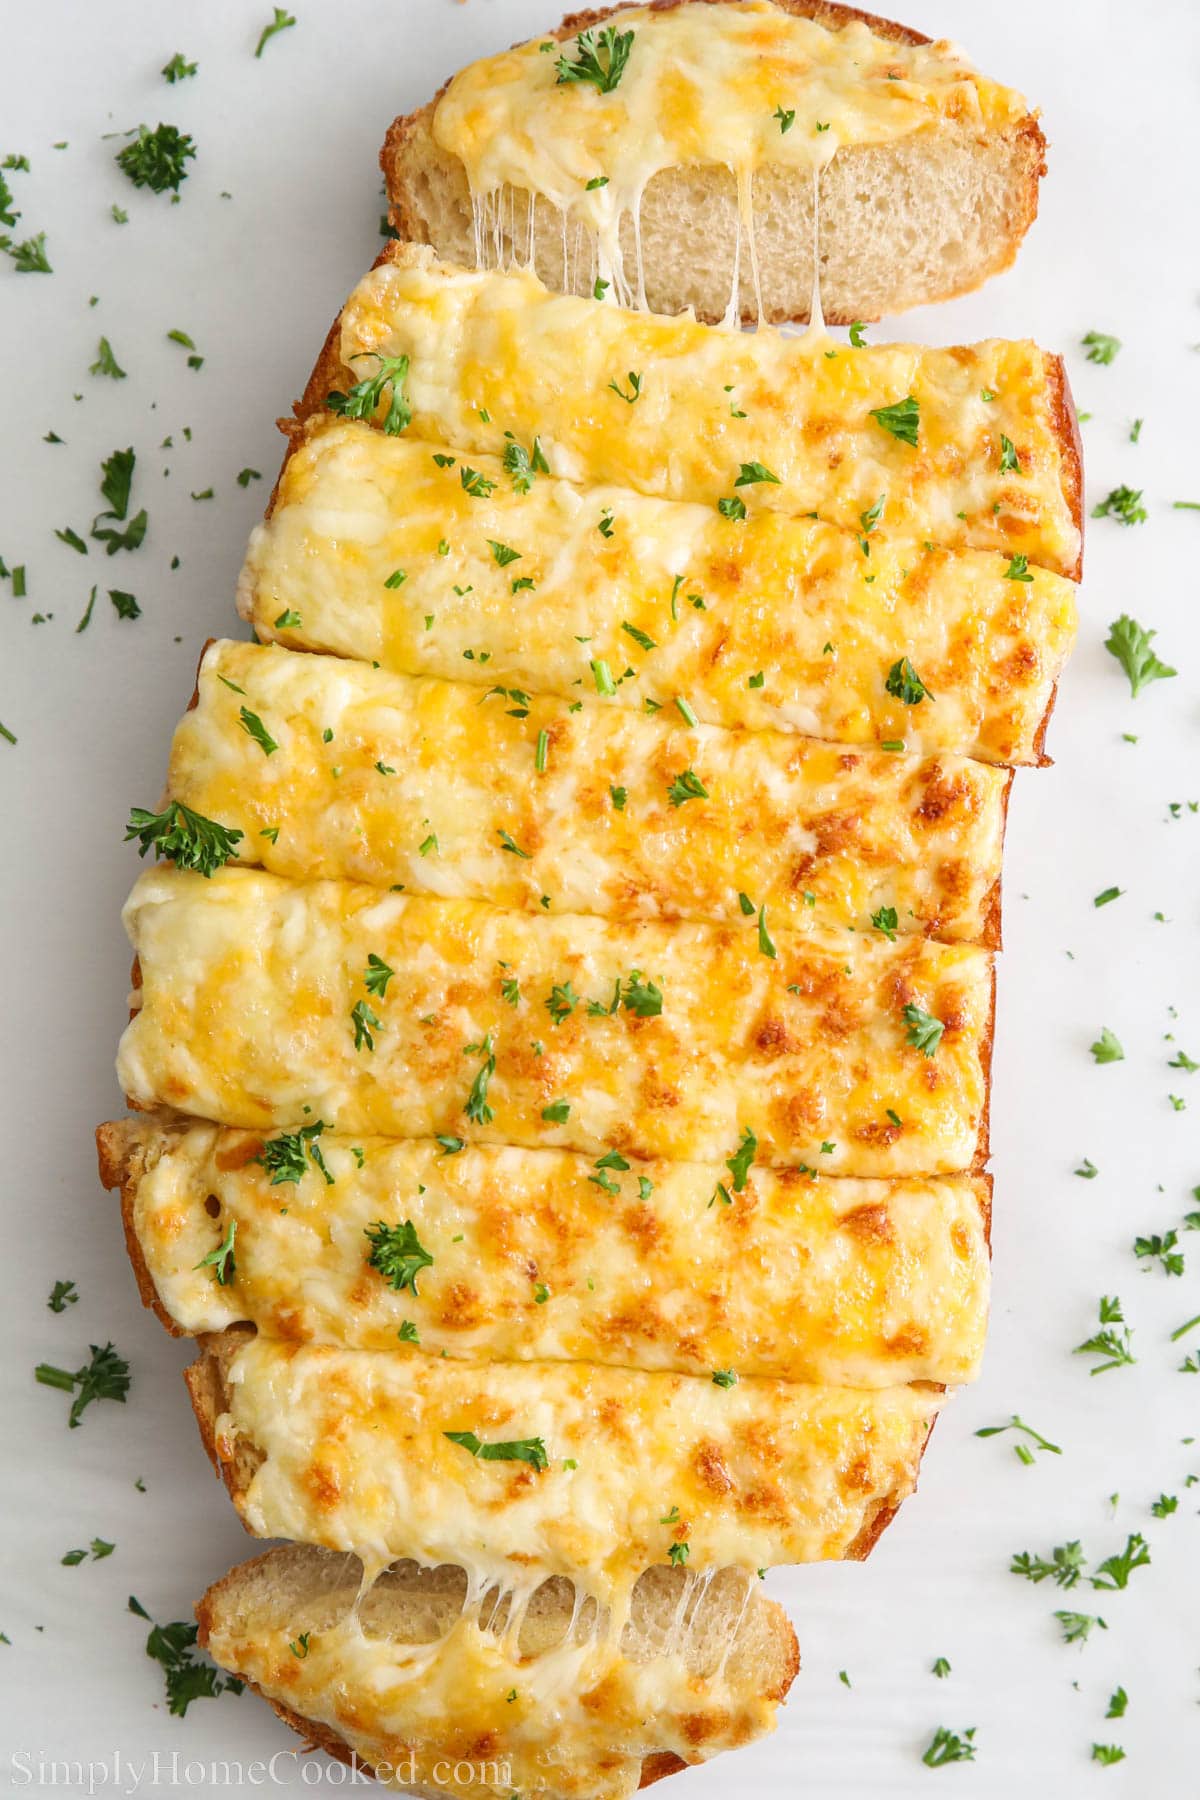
<point x="557" y="1113"/>
<point x="363" y="399"/>
<point x="365" y="1023"/>
<point x="477" y="1108"/>
<point x="1118" y="1701"/>
<point x="903" y="683"/>
<point x="105" y="1377"/>
<point x="732" y="506"/>
<point x="941" y="1668"/>
<point x="687" y="785"/>
<point x="281" y="22"/>
<point x="1109" y="894"/>
<point x="1162" y="1248"/>
<point x="1115" y="1570"/>
<point x="857" y="337"/>
<point x="1129" y="642"/>
<point x="601" y="63"/>
<point x="902" y="419"/>
<point x="641" y="638"/>
<point x="602" y="676"/>
<point x="106" y="363"/>
<point x="253" y="726"/>
<point x="1112" y="1346"/>
<point x="1010" y="462"/>
<point x="186" y="838"/>
<point x="288" y="620"/>
<point x="618" y="796"/>
<point x="1023" y="1453"/>
<point x="1107" y="1047"/>
<point x="377" y="976"/>
<point x="510" y="844"/>
<point x="155" y="159"/>
<point x="635" y="388"/>
<point x="753" y="472"/>
<point x="679" y="1552"/>
<point x="283" y="1157"/>
<point x="562" y="1002"/>
<point x="787" y="118"/>
<point x="526" y="1450"/>
<point x="398" y="1253"/>
<point x="523" y="465"/>
<point x="473" y="483"/>
<point x="178" y="69"/>
<point x="740" y="1162"/>
<point x="1100" y="347"/>
<point x="765" y="943"/>
<point x="1123" y="504"/>
<point x="62" y="1295"/>
<point x="642" y="998"/>
<point x="29" y="258"/>
<point x="186" y="1680"/>
<point x="503" y="553"/>
<point x="724" y="1378"/>
<point x="222" y="1260"/>
<point x="924" y="1031"/>
<point x="1107" y="1754"/>
<point x="886" y="920"/>
<point x="1064" y="1567"/>
<point x="1087" y="1169"/>
<point x="949" y="1747"/>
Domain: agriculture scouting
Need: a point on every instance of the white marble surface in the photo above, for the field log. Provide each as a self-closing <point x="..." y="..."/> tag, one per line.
<point x="254" y="275"/>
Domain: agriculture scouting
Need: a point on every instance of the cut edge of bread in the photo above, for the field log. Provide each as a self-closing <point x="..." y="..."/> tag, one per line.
<point x="254" y="1596"/>
<point x="430" y="202"/>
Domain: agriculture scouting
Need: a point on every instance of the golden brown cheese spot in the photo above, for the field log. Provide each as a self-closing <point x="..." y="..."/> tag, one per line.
<point x="910" y="1340"/>
<point x="700" y="1728"/>
<point x="644" y="1227"/>
<point x="710" y="1468"/>
<point x="962" y="1240"/>
<point x="239" y="1153"/>
<point x="323" y="1484"/>
<point x="869" y="1224"/>
<point x="461" y="1307"/>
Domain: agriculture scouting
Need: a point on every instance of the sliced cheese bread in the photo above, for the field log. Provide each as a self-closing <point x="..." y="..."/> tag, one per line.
<point x="402" y="553"/>
<point x="273" y="1004"/>
<point x="599" y="809"/>
<point x="440" y="1688"/>
<point x="533" y="1469"/>
<point x="974" y="446"/>
<point x="521" y="1255"/>
<point x="690" y="181"/>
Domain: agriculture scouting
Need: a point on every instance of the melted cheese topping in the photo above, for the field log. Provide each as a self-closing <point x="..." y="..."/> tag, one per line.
<point x="251" y="984"/>
<point x="702" y="85"/>
<point x="851" y="1283"/>
<point x="573" y="1721"/>
<point x="355" y="1456"/>
<point x="771" y="622"/>
<point x="491" y="354"/>
<point x="369" y="764"/>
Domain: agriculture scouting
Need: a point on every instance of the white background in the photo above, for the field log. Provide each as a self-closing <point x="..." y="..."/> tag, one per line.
<point x="255" y="279"/>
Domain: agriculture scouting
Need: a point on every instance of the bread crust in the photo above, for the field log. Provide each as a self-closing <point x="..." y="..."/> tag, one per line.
<point x="1026" y="138"/>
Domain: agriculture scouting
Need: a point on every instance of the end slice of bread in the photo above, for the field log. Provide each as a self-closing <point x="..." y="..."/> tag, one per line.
<point x="919" y="218"/>
<point x="441" y="1689"/>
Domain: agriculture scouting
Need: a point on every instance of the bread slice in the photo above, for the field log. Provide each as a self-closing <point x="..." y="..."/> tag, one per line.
<point x="849" y="1283"/>
<point x="360" y="1450"/>
<point x="975" y="446"/>
<point x="426" y="1672"/>
<point x="902" y="219"/>
<point x="662" y="602"/>
<point x="270" y="1004"/>
<point x="818" y="837"/>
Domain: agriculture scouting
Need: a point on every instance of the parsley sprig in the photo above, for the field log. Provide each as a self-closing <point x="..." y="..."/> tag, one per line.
<point x="364" y="398"/>
<point x="105" y="1377"/>
<point x="398" y="1253"/>
<point x="186" y="838"/>
<point x="600" y="63"/>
